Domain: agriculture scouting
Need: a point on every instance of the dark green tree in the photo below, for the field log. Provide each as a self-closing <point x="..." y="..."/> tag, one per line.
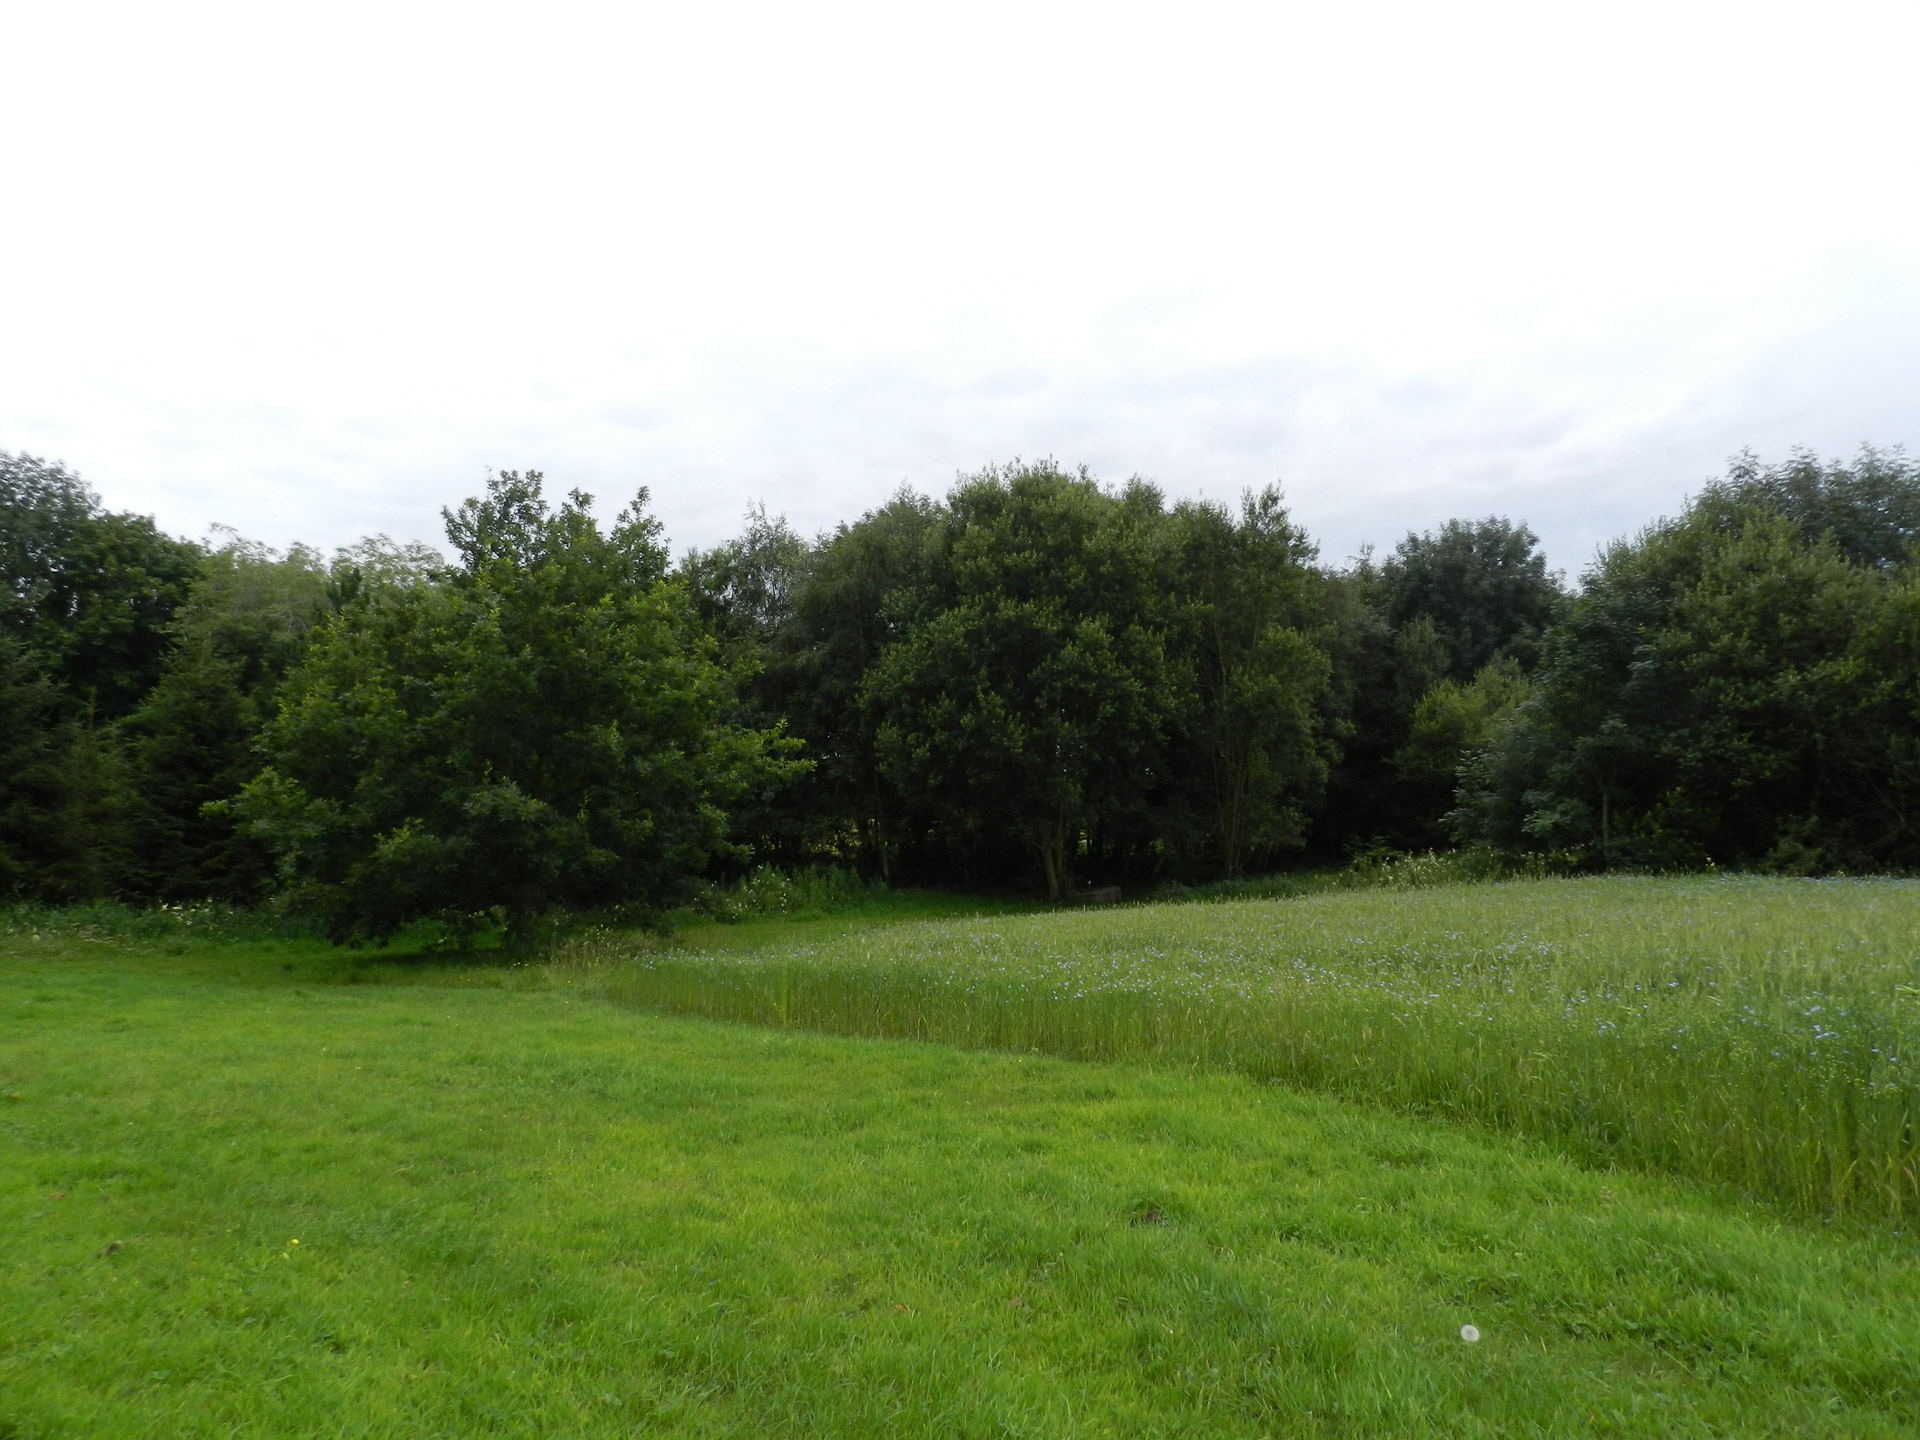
<point x="543" y="725"/>
<point x="36" y="740"/>
<point x="1438" y="610"/>
<point x="1734" y="685"/>
<point x="1484" y="587"/>
<point x="1029" y="695"/>
<point x="1453" y="721"/>
<point x="60" y="789"/>
<point x="1251" y="754"/>
<point x="1869" y="509"/>
<point x="1378" y="676"/>
<point x="743" y="590"/>
<point x="846" y="607"/>
<point x="192" y="742"/>
<point x="93" y="591"/>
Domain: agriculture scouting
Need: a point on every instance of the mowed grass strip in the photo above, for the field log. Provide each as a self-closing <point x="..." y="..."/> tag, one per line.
<point x="524" y="1212"/>
<point x="1757" y="1032"/>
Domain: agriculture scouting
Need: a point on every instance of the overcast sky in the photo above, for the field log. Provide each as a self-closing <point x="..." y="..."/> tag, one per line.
<point x="310" y="271"/>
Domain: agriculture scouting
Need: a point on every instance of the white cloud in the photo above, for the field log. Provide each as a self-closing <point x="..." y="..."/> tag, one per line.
<point x="311" y="274"/>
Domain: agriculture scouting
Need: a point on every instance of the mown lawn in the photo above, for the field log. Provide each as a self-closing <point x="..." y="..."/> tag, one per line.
<point x="522" y="1210"/>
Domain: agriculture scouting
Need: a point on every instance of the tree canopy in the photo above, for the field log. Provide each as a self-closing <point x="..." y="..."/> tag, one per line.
<point x="541" y="724"/>
<point x="90" y="591"/>
<point x="1738" y="685"/>
<point x="1036" y="680"/>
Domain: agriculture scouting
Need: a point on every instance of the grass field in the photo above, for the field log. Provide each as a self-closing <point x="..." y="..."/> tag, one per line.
<point x="523" y="1210"/>
<point x="1757" y="1032"/>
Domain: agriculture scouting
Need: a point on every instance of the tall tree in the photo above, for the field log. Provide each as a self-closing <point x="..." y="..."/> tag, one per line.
<point x="192" y="742"/>
<point x="1378" y="677"/>
<point x="1484" y="587"/>
<point x="543" y="725"/>
<point x="1734" y="685"/>
<point x="1441" y="608"/>
<point x="93" y="591"/>
<point x="846" y="609"/>
<point x="1869" y="509"/>
<point x="37" y="831"/>
<point x="1029" y="695"/>
<point x="743" y="590"/>
<point x="1254" y="744"/>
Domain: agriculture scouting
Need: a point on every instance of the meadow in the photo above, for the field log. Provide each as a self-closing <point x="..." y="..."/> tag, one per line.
<point x="1757" y="1032"/>
<point x="256" y="1186"/>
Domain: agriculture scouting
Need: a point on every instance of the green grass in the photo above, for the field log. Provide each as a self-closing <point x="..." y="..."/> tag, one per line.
<point x="775" y="927"/>
<point x="521" y="1210"/>
<point x="1755" y="1032"/>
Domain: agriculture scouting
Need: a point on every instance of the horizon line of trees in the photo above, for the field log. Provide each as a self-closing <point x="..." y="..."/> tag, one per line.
<point x="1036" y="680"/>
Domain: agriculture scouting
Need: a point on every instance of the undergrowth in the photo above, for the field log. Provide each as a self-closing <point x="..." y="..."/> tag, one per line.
<point x="769" y="890"/>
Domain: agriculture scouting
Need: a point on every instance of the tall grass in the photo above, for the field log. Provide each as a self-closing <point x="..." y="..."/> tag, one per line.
<point x="1756" y="1032"/>
<point x="1377" y="868"/>
<point x="108" y="921"/>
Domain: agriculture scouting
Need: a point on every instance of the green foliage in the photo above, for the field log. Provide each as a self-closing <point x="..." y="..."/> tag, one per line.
<point x="42" y="837"/>
<point x="842" y="615"/>
<point x="92" y="591"/>
<point x="1036" y="679"/>
<point x="766" y="890"/>
<point x="1254" y="720"/>
<point x="1870" y="509"/>
<point x="1482" y="584"/>
<point x="539" y="726"/>
<point x="192" y="743"/>
<point x="1453" y="720"/>
<point x="109" y="922"/>
<point x="1731" y="686"/>
<point x="1382" y="868"/>
<point x="1439" y="610"/>
<point x="1450" y="725"/>
<point x="1039" y="667"/>
<point x="1030" y="692"/>
<point x="742" y="591"/>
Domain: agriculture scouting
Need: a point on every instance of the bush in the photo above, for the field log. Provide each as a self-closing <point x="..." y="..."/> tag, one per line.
<point x="767" y="890"/>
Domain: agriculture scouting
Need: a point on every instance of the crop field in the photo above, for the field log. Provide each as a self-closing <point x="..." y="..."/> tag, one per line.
<point x="1757" y="1032"/>
<point x="258" y="1187"/>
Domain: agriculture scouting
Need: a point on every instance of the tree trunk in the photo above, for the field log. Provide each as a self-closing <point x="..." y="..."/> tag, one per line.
<point x="1053" y="862"/>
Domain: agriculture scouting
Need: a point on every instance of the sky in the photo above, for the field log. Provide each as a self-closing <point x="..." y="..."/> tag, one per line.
<point x="311" y="271"/>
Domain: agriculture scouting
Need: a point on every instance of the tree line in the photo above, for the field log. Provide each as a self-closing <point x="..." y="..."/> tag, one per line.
<point x="1034" y="681"/>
